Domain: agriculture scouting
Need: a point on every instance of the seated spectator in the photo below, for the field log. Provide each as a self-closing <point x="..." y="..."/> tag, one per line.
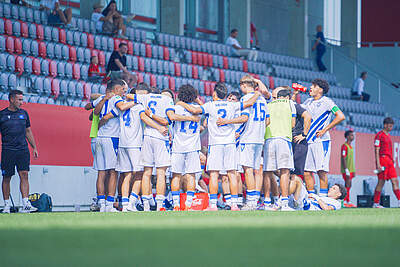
<point x="113" y="22"/>
<point x="238" y="50"/>
<point x="55" y="15"/>
<point x="358" y="88"/>
<point x="116" y="66"/>
<point x="94" y="70"/>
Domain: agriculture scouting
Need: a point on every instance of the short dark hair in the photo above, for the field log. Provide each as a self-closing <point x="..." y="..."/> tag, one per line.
<point x="321" y="83"/>
<point x="343" y="191"/>
<point x="122" y="44"/>
<point x="13" y="93"/>
<point x="235" y="93"/>
<point x="169" y="91"/>
<point x="187" y="93"/>
<point x="388" y="120"/>
<point x="363" y="73"/>
<point x="114" y="82"/>
<point x="347" y="133"/>
<point x="143" y="87"/>
<point x="234" y="30"/>
<point x="221" y="90"/>
<point x="284" y="93"/>
<point x="154" y="90"/>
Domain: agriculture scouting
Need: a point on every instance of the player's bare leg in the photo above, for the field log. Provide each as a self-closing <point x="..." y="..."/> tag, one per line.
<point x="100" y="188"/>
<point x="251" y="187"/>
<point x="295" y="186"/>
<point x="284" y="185"/>
<point x="323" y="183"/>
<point x="112" y="186"/>
<point x="191" y="187"/>
<point x="118" y="203"/>
<point x="160" y="187"/>
<point x="125" y="181"/>
<point x="267" y="190"/>
<point x="226" y="190"/>
<point x="309" y="180"/>
<point x="146" y="188"/>
<point x="213" y="190"/>
<point x="175" y="190"/>
<point x="240" y="189"/>
<point x="258" y="176"/>
<point x="134" y="194"/>
<point x="233" y="189"/>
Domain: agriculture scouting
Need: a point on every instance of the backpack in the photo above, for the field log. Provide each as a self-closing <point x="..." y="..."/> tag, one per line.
<point x="42" y="202"/>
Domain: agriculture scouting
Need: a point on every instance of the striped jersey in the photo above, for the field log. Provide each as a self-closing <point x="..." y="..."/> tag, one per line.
<point x="322" y="111"/>
<point x="111" y="127"/>
<point x="314" y="205"/>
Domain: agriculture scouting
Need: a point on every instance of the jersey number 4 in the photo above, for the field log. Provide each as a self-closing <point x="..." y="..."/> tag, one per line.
<point x="127" y="117"/>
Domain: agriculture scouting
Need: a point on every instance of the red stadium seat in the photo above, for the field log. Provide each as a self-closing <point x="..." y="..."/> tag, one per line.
<point x="39" y="32"/>
<point x="17" y="46"/>
<point x="10" y="44"/>
<point x="87" y="91"/>
<point x="245" y="65"/>
<point x="212" y="86"/>
<point x="35" y="66"/>
<point x="76" y="71"/>
<point x="102" y="58"/>
<point x="225" y="62"/>
<point x="19" y="65"/>
<point x="153" y="80"/>
<point x="24" y="29"/>
<point x="130" y="47"/>
<point x="90" y="41"/>
<point x="200" y="58"/>
<point x="210" y="60"/>
<point x="271" y="82"/>
<point x="177" y="69"/>
<point x="205" y="59"/>
<point x="195" y="72"/>
<point x="94" y="52"/>
<point x="116" y="43"/>
<point x="72" y="53"/>
<point x="166" y="53"/>
<point x="148" y="50"/>
<point x="52" y="68"/>
<point x="42" y="50"/>
<point x="62" y="37"/>
<point x="141" y="63"/>
<point x="207" y="88"/>
<point x="194" y="57"/>
<point x="221" y="76"/>
<point x="171" y="82"/>
<point x="139" y="76"/>
<point x="8" y="27"/>
<point x="55" y="88"/>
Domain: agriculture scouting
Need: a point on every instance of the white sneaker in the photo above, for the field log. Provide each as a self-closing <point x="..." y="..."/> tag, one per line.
<point x="111" y="209"/>
<point x="286" y="208"/>
<point x="125" y="209"/>
<point x="95" y="206"/>
<point x="27" y="209"/>
<point x="249" y="206"/>
<point x="102" y="208"/>
<point x="7" y="209"/>
<point x="271" y="207"/>
<point x="378" y="206"/>
<point x="132" y="207"/>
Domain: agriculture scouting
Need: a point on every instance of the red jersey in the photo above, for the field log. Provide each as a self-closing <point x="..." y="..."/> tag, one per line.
<point x="384" y="142"/>
<point x="96" y="69"/>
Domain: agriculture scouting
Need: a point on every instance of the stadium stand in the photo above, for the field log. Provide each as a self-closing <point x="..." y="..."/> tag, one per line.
<point x="59" y="61"/>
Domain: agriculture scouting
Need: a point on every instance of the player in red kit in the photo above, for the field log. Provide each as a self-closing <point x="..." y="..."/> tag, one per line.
<point x="384" y="162"/>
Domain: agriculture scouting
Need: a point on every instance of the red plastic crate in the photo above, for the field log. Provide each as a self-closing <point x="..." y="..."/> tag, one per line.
<point x="200" y="201"/>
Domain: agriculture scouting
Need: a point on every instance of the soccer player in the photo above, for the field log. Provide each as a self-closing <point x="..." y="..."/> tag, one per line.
<point x="129" y="150"/>
<point x="278" y="154"/>
<point x="384" y="162"/>
<point x="301" y="200"/>
<point x="107" y="140"/>
<point x="185" y="158"/>
<point x="321" y="109"/>
<point x="156" y="147"/>
<point x="347" y="166"/>
<point x="221" y="139"/>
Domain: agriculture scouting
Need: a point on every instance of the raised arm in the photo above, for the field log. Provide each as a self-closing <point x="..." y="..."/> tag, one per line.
<point x="100" y="105"/>
<point x="237" y="120"/>
<point x="124" y="105"/>
<point x="190" y="108"/>
<point x="176" y="117"/>
<point x="148" y="121"/>
<point x="263" y="89"/>
<point x="251" y="101"/>
<point x="31" y="141"/>
<point x="339" y="117"/>
<point x="105" y="118"/>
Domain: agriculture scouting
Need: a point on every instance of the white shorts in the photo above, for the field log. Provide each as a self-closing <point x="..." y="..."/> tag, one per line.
<point x="301" y="202"/>
<point x="93" y="148"/>
<point x="318" y="156"/>
<point x="185" y="162"/>
<point x="278" y="154"/>
<point x="106" y="153"/>
<point x="155" y="152"/>
<point x="250" y="155"/>
<point x="128" y="160"/>
<point x="239" y="167"/>
<point x="221" y="158"/>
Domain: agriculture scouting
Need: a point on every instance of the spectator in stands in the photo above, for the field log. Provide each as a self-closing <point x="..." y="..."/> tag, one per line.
<point x="116" y="66"/>
<point x="320" y="46"/>
<point x="94" y="70"/>
<point x="55" y="14"/>
<point x="15" y="129"/>
<point x="113" y="22"/>
<point x="237" y="50"/>
<point x="358" y="88"/>
<point x="20" y="2"/>
<point x="253" y="36"/>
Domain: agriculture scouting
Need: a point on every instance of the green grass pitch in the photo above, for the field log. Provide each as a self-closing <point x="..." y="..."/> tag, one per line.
<point x="351" y="237"/>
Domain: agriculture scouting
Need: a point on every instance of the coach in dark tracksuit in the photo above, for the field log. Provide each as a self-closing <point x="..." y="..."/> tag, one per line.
<point x="299" y="143"/>
<point x="15" y="128"/>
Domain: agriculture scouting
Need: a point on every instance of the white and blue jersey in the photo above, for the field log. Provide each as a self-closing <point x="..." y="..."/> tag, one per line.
<point x="131" y="127"/>
<point x="322" y="111"/>
<point x="111" y="127"/>
<point x="314" y="205"/>
<point x="254" y="129"/>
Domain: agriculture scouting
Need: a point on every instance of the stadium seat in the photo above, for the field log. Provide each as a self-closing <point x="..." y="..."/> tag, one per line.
<point x="47" y="86"/>
<point x="64" y="52"/>
<point x="19" y="65"/>
<point x="166" y="53"/>
<point x="153" y="80"/>
<point x="8" y="27"/>
<point x="27" y="65"/>
<point x="4" y="81"/>
<point x="79" y="90"/>
<point x="42" y="50"/>
<point x="39" y="32"/>
<point x="44" y="67"/>
<point x="171" y="83"/>
<point x="37" y="84"/>
<point x="142" y="50"/>
<point x="86" y="25"/>
<point x="80" y="54"/>
<point x="63" y="88"/>
<point x="177" y="69"/>
<point x="17" y="46"/>
<point x="84" y="71"/>
<point x="10" y="44"/>
<point x="52" y="68"/>
<point x="29" y="15"/>
<point x="87" y="90"/>
<point x="102" y="58"/>
<point x="14" y="12"/>
<point x="10" y="63"/>
<point x="90" y="41"/>
<point x="47" y="33"/>
<point x="61" y="69"/>
<point x="72" y="53"/>
<point x="77" y="38"/>
<point x="135" y="63"/>
<point x="72" y="88"/>
<point x="140" y="63"/>
<point x="24" y="30"/>
<point x="16" y="28"/>
<point x="68" y="70"/>
<point x="36" y="16"/>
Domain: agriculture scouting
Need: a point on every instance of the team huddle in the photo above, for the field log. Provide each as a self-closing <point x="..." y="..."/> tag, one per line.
<point x="254" y="142"/>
